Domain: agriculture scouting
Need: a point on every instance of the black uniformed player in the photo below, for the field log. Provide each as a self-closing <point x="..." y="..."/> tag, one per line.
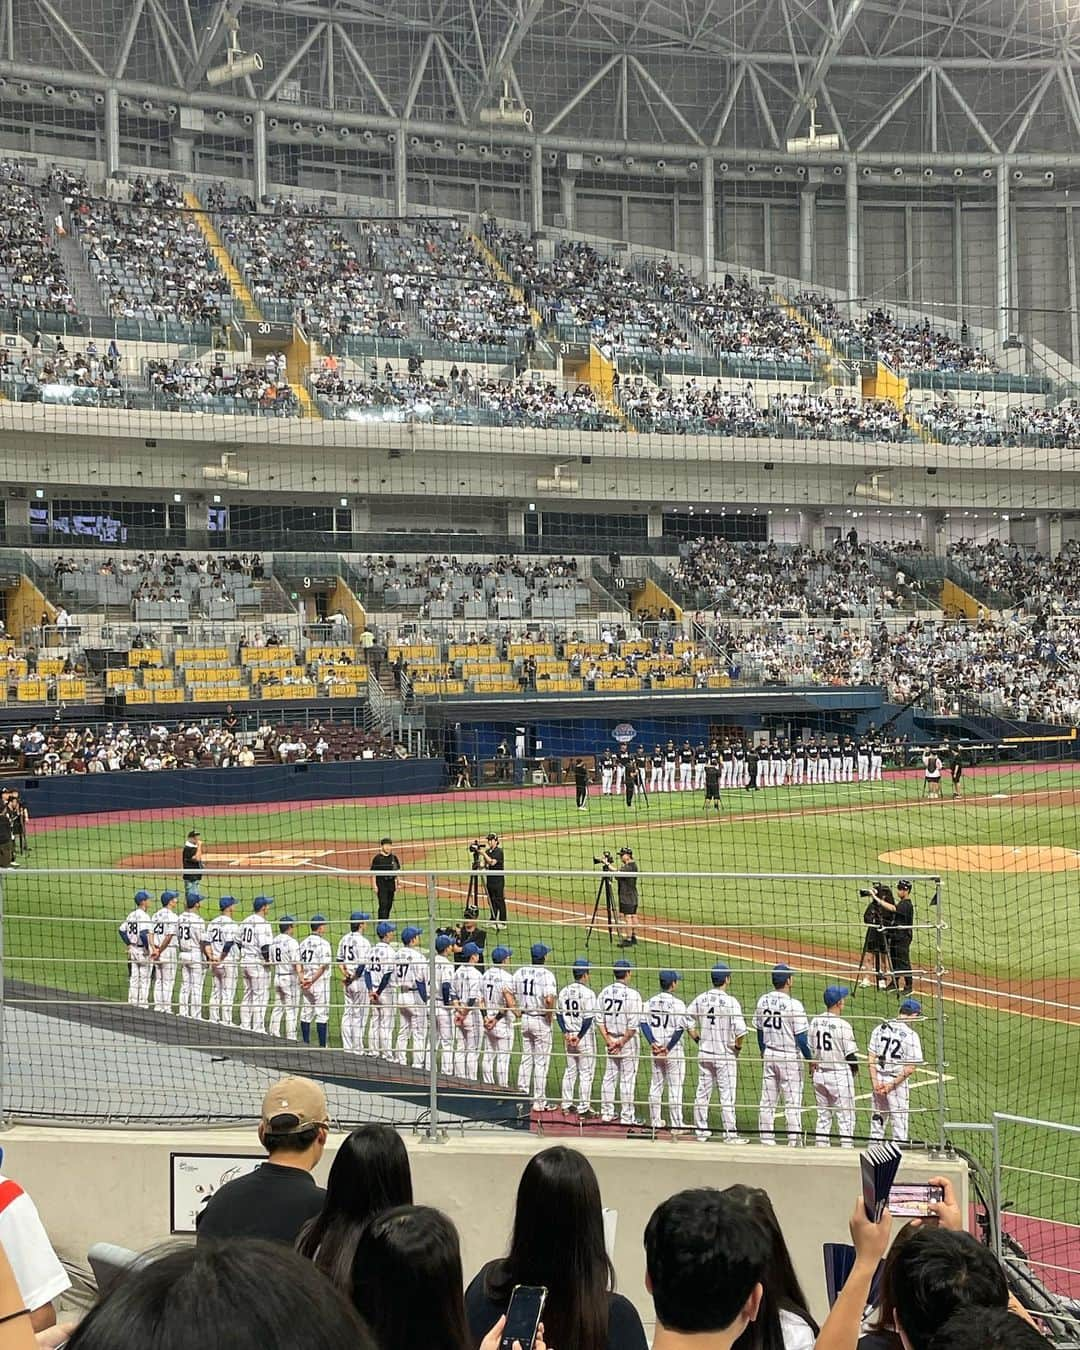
<point x="656" y="769"/>
<point x="385" y="863"/>
<point x="671" y="759"/>
<point x="623" y="761"/>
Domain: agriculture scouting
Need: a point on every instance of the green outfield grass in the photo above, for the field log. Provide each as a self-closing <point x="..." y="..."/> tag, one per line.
<point x="1010" y="933"/>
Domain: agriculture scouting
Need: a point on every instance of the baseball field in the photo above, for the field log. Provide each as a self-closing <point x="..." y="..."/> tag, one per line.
<point x="757" y="882"/>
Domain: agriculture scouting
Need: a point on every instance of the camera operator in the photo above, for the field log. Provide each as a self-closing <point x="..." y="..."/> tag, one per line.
<point x="493" y="861"/>
<point x="899" y="915"/>
<point x="464" y="934"/>
<point x="877" y="920"/>
<point x="626" y="882"/>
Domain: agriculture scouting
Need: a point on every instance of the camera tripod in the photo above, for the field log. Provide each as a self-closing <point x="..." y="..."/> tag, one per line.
<point x="883" y="966"/>
<point x="472" y="896"/>
<point x="604" y="889"/>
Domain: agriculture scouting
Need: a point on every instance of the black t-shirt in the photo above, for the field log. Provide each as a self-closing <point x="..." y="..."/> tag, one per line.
<point x="386" y="862"/>
<point x="902" y="920"/>
<point x="625" y="1331"/>
<point x="497" y="863"/>
<point x="581" y="775"/>
<point x="189" y="861"/>
<point x="477" y="935"/>
<point x="627" y="884"/>
<point x="272" y="1202"/>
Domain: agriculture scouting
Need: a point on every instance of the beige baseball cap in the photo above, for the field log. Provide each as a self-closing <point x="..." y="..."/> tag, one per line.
<point x="293" y="1105"/>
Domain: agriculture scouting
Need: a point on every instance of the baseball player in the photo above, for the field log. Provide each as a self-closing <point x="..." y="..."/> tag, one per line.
<point x="656" y="769"/>
<point x="895" y="1054"/>
<point x="316" y="959"/>
<point x="379" y="978"/>
<point x="862" y="759"/>
<point x="443" y="995"/>
<point x="576" y="1013"/>
<point x="727" y="766"/>
<point x="164" y="951"/>
<point x="135" y="933"/>
<point x="670" y="764"/>
<point x="875" y="760"/>
<point x="255" y="937"/>
<point x="607" y="773"/>
<point x="467" y="997"/>
<point x="352" y="958"/>
<point x="715" y="1021"/>
<point x="701" y="761"/>
<point x="284" y="959"/>
<point x="190" y="937"/>
<point x="781" y="1025"/>
<point x="411" y="983"/>
<point x="813" y="762"/>
<point x="798" y="764"/>
<point x="663" y="1022"/>
<point x="221" y="948"/>
<point x="535" y="990"/>
<point x="619" y="1022"/>
<point x="499" y="1007"/>
<point x="836" y="1061"/>
<point x="836" y="762"/>
<point x="622" y="763"/>
<point x="847" y="761"/>
<point x="686" y="767"/>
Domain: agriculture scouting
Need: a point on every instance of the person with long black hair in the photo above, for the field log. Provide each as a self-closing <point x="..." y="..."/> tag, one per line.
<point x="558" y="1241"/>
<point x="369" y="1174"/>
<point x="783" y="1321"/>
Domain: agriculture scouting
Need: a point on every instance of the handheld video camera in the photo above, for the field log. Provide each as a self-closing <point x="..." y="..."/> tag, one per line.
<point x="606" y="860"/>
<point x="476" y="847"/>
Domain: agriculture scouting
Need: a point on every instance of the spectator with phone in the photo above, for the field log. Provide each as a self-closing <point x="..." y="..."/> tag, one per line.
<point x="370" y="1173"/>
<point x="558" y="1242"/>
<point x="407" y="1285"/>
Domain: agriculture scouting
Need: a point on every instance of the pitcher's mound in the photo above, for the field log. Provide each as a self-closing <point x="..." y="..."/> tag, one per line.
<point x="983" y="858"/>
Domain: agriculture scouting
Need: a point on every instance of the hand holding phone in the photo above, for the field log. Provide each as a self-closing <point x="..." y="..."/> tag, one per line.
<point x="915" y="1199"/>
<point x="523" y="1316"/>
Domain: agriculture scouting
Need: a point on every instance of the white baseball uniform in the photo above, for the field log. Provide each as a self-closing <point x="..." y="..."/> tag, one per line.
<point x="893" y="1046"/>
<point x="833" y="1041"/>
<point x="446" y="1027"/>
<point x="190" y="936"/>
<point x="222" y="938"/>
<point x="380" y="977"/>
<point x="410" y="978"/>
<point x="719" y="1021"/>
<point x="532" y="986"/>
<point x="875" y="762"/>
<point x="468" y="997"/>
<point x="607" y="773"/>
<point x="255" y="934"/>
<point x="686" y="770"/>
<point x="499" y="1036"/>
<point x="284" y="959"/>
<point x="779" y="1019"/>
<point x="352" y="953"/>
<point x="576" y="1011"/>
<point x="620" y="1012"/>
<point x="665" y="1017"/>
<point x="136" y="932"/>
<point x="166" y="963"/>
<point x="670" y="765"/>
<point x="315" y="956"/>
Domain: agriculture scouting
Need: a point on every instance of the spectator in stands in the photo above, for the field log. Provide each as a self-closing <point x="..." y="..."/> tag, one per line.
<point x="938" y="1272"/>
<point x="37" y="1271"/>
<point x="987" y="1329"/>
<point x="558" y="1241"/>
<point x="221" y="1295"/>
<point x="370" y="1174"/>
<point x="277" y="1199"/>
<point x="783" y="1321"/>
<point x="706" y="1260"/>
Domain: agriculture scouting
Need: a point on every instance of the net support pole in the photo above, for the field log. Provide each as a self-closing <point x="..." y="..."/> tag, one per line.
<point x="258" y="157"/>
<point x="433" y="1024"/>
<point x="939" y="1010"/>
<point x="995" y="1140"/>
<point x="708" y="216"/>
<point x="851" y="214"/>
<point x="112" y="133"/>
<point x="1004" y="269"/>
<point x="536" y="191"/>
<point x="401" y="173"/>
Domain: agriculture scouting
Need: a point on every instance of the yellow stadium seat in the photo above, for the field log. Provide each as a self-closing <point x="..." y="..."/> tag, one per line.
<point x="71" y="688"/>
<point x="475" y="651"/>
<point x="516" y="649"/>
<point x="343" y="691"/>
<point x="155" y="677"/>
<point x="120" y="679"/>
<point x="30" y="691"/>
<point x="150" y="655"/>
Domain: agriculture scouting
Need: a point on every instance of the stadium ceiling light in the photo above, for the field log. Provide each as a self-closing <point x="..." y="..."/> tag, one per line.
<point x="39" y="493"/>
<point x="217" y="499"/>
<point x="237" y="63"/>
<point x="343" y="501"/>
<point x="177" y="497"/>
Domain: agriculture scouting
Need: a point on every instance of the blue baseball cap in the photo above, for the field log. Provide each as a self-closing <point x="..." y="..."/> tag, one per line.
<point x="385" y="928"/>
<point x="317" y="920"/>
<point x="581" y="965"/>
<point x="443" y="941"/>
<point x="166" y="896"/>
<point x="720" y="973"/>
<point x="286" y="921"/>
<point x="410" y="934"/>
<point x="140" y="896"/>
<point x="260" y="902"/>
<point x="359" y="916"/>
<point x="469" y="950"/>
<point x="226" y="902"/>
<point x="622" y="965"/>
<point x="193" y="899"/>
<point x="501" y="954"/>
<point x="538" y="951"/>
<point x="781" y="974"/>
<point x="668" y="976"/>
<point x="912" y="1006"/>
<point x="834" y="993"/>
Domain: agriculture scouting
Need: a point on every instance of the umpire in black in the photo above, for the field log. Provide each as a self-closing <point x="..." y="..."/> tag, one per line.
<point x="385" y="864"/>
<point x="494" y="861"/>
<point x="899" y="933"/>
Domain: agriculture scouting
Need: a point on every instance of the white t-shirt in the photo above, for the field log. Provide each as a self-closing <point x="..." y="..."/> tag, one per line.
<point x="720" y="1023"/>
<point x="797" y="1334"/>
<point x="37" y="1271"/>
<point x="780" y="1018"/>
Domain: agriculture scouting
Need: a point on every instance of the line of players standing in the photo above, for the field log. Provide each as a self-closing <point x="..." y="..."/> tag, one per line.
<point x="741" y="764"/>
<point x="284" y="980"/>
